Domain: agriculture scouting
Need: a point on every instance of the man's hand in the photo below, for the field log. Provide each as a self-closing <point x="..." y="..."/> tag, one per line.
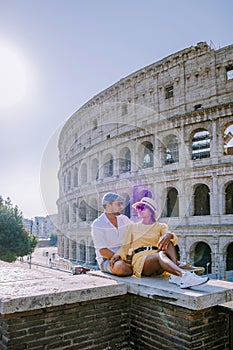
<point x="164" y="241"/>
<point x="114" y="259"/>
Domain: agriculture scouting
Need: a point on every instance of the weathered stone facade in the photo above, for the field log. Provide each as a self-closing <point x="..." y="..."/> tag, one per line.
<point x="164" y="131"/>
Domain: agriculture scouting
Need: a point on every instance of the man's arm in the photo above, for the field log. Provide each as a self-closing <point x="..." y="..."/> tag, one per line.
<point x="106" y="253"/>
<point x="98" y="239"/>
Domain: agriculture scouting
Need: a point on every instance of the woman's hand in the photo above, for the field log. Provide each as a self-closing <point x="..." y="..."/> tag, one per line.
<point x="114" y="259"/>
<point x="164" y="241"/>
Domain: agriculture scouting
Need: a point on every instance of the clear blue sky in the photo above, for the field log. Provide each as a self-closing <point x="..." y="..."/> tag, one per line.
<point x="57" y="54"/>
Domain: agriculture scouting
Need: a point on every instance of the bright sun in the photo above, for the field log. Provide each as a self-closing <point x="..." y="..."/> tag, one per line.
<point x="13" y="76"/>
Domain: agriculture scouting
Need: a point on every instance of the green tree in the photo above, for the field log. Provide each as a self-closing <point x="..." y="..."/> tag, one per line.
<point x="15" y="241"/>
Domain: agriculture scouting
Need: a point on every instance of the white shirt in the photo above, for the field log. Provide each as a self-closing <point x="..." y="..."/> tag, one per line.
<point x="106" y="235"/>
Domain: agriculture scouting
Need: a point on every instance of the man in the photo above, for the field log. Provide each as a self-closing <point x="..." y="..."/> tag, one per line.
<point x="107" y="233"/>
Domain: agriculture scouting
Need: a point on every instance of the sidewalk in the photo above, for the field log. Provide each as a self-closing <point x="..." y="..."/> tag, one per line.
<point x="47" y="257"/>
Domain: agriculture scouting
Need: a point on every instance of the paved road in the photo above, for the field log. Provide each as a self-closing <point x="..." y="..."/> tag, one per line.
<point x="47" y="257"/>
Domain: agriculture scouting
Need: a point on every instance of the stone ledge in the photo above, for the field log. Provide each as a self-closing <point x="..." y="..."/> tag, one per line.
<point x="210" y="294"/>
<point x="23" y="290"/>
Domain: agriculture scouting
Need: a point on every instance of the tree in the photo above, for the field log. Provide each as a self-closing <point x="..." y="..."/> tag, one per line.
<point x="15" y="241"/>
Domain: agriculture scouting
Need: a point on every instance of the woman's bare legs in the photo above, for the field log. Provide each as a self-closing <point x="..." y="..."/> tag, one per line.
<point x="160" y="262"/>
<point x="171" y="253"/>
<point x="169" y="265"/>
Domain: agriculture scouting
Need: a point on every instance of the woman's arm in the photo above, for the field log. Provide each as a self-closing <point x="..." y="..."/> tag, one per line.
<point x="166" y="238"/>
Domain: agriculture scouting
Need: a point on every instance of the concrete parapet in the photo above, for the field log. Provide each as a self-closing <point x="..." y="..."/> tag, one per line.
<point x="210" y="294"/>
<point x="26" y="290"/>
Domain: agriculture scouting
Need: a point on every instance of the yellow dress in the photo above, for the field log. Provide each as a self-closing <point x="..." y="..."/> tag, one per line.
<point x="139" y="235"/>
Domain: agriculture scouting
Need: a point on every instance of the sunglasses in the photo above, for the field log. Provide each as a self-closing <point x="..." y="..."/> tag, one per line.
<point x="118" y="204"/>
<point x="141" y="207"/>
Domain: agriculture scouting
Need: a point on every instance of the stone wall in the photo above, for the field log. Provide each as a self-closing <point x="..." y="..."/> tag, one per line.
<point x="97" y="325"/>
<point x="121" y="323"/>
<point x="156" y="325"/>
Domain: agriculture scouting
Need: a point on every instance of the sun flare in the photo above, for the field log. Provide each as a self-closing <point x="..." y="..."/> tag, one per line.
<point x="14" y="76"/>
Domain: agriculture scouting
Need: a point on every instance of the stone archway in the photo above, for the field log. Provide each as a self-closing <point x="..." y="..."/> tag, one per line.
<point x="229" y="257"/>
<point x="73" y="250"/>
<point x="229" y="198"/>
<point x="82" y="251"/>
<point x="202" y="200"/>
<point x="202" y="256"/>
<point x="172" y="203"/>
<point x="127" y="204"/>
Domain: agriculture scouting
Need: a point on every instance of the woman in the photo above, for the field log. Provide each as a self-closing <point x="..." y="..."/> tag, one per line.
<point x="153" y="248"/>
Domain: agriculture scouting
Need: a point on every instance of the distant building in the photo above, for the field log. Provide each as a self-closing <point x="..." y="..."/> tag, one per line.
<point x="28" y="224"/>
<point x="41" y="226"/>
<point x="165" y="132"/>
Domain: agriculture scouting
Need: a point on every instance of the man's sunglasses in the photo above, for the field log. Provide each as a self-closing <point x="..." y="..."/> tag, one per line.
<point x="141" y="207"/>
<point x="117" y="203"/>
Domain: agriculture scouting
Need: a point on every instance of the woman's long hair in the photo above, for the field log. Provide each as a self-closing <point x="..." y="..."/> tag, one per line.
<point x="152" y="214"/>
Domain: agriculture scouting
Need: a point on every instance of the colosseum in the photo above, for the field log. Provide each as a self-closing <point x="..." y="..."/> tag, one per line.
<point x="166" y="132"/>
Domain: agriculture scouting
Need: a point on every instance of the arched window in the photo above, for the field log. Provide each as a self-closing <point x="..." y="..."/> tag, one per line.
<point x="92" y="257"/>
<point x="124" y="109"/>
<point x="75" y="177"/>
<point x="202" y="256"/>
<point x="127" y="206"/>
<point x="94" y="169"/>
<point x="108" y="165"/>
<point x="202" y="200"/>
<point x="93" y="210"/>
<point x="229" y="198"/>
<point x="66" y="249"/>
<point x="83" y="174"/>
<point x="201" y="144"/>
<point x="172" y="151"/>
<point x="83" y="211"/>
<point x="229" y="257"/>
<point x="74" y="212"/>
<point x="228" y="140"/>
<point x="82" y="250"/>
<point x="148" y="154"/>
<point x="125" y="161"/>
<point x="172" y="203"/>
<point x="73" y="250"/>
<point x="62" y="253"/>
<point x="69" y="181"/>
<point x="94" y="124"/>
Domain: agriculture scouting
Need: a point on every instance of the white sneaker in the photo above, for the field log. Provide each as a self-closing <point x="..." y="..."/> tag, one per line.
<point x="190" y="279"/>
<point x="175" y="279"/>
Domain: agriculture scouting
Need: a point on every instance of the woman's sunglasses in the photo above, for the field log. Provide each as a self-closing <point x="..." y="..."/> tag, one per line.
<point x="141" y="207"/>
